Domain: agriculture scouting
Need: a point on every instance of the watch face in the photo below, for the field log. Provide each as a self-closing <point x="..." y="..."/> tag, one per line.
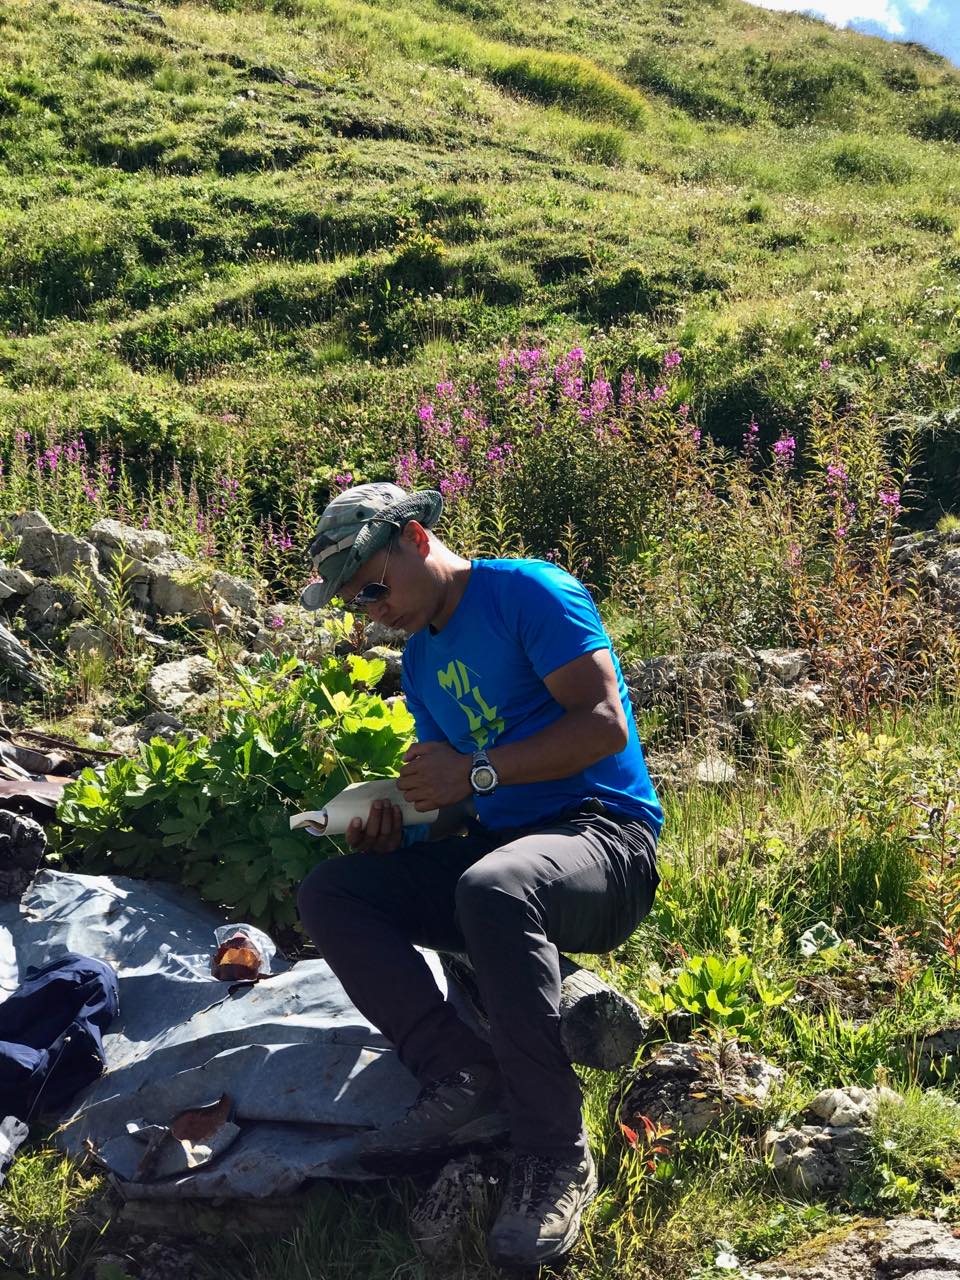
<point x="483" y="777"/>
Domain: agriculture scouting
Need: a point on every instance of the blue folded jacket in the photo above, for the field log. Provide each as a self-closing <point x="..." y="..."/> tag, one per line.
<point x="51" y="1033"/>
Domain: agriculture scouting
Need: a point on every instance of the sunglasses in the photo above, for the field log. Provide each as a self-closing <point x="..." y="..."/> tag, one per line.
<point x="374" y="592"/>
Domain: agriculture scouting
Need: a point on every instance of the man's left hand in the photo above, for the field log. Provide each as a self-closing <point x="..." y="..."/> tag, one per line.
<point x="434" y="774"/>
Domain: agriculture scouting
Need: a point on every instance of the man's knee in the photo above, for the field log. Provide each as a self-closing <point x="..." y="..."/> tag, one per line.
<point x="326" y="891"/>
<point x="485" y="895"/>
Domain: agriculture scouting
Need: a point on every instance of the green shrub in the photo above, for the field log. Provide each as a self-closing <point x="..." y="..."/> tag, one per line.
<point x="689" y="88"/>
<point x="805" y="90"/>
<point x="859" y="160"/>
<point x="940" y="123"/>
<point x="566" y="79"/>
<point x="600" y="145"/>
<point x="213" y="813"/>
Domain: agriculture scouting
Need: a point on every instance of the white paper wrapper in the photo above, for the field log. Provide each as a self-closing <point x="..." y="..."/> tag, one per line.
<point x="354" y="802"/>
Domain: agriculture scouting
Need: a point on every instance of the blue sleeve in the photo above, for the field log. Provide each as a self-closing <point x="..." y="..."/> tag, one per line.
<point x="427" y="728"/>
<point x="553" y="615"/>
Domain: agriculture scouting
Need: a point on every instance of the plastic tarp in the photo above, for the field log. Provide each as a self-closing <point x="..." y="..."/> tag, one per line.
<point x="305" y="1070"/>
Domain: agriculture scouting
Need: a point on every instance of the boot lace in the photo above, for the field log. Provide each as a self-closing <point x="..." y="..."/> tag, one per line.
<point x="530" y="1180"/>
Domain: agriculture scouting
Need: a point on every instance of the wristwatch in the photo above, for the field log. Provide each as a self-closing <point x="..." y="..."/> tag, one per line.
<point x="483" y="776"/>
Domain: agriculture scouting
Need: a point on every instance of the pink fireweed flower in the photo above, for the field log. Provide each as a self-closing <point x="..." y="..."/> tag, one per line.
<point x="445" y="388"/>
<point x="275" y="621"/>
<point x="890" y="500"/>
<point x="455" y="484"/>
<point x="341" y="480"/>
<point x="784" y="451"/>
<point x="837" y="475"/>
<point x="407" y="465"/>
<point x="529" y="358"/>
<point x="671" y="359"/>
<point x="751" y="440"/>
<point x="696" y="435"/>
<point x="425" y="413"/>
<point x="824" y="365"/>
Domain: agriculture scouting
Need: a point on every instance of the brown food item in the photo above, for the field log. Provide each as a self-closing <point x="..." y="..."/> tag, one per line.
<point x="236" y="960"/>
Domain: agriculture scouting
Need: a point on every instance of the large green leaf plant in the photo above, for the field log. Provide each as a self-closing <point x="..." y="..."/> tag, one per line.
<point x="214" y="812"/>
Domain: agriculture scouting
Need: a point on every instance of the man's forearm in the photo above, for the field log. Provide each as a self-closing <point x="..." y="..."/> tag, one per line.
<point x="571" y="744"/>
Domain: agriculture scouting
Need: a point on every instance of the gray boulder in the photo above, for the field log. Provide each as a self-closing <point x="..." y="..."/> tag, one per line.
<point x="85" y="639"/>
<point x="15" y="582"/>
<point x="181" y="687"/>
<point x="785" y="666"/>
<point x="110" y="537"/>
<point x="50" y="553"/>
<point x="694" y="1087"/>
<point x="49" y="607"/>
<point x="166" y="594"/>
<point x="28" y="520"/>
<point x="714" y="771"/>
<point x="238" y="594"/>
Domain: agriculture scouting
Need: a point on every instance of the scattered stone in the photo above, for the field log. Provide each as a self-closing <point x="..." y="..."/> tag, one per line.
<point x="713" y="771"/>
<point x="85" y="639"/>
<point x="695" y="1087"/>
<point x="180" y="686"/>
<point x="820" y="1158"/>
<point x="786" y="666"/>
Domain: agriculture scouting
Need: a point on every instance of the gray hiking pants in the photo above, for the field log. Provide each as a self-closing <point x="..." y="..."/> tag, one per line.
<point x="512" y="900"/>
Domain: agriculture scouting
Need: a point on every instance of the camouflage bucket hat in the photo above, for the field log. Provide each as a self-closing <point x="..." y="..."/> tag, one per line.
<point x="355" y="526"/>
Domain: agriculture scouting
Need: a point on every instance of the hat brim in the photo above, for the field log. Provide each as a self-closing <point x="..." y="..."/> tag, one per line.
<point x="424" y="506"/>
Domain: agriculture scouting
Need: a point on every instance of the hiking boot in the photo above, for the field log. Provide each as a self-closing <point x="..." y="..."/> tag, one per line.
<point x="460" y="1110"/>
<point x="540" y="1215"/>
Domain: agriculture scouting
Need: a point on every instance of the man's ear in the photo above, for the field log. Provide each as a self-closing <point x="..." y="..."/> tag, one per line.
<point x="416" y="538"/>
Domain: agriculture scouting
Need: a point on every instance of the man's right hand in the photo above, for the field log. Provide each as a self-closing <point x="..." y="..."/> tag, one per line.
<point x="382" y="832"/>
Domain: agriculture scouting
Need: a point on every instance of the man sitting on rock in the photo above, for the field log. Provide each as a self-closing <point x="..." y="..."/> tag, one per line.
<point x="521" y="711"/>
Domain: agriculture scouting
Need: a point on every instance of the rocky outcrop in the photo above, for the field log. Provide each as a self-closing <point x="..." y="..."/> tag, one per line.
<point x="820" y="1157"/>
<point x="893" y="1250"/>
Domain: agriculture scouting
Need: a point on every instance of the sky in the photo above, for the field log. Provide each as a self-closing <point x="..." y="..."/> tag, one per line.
<point x="935" y="23"/>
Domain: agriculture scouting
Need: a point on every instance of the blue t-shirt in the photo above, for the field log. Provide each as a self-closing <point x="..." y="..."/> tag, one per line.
<point x="480" y="682"/>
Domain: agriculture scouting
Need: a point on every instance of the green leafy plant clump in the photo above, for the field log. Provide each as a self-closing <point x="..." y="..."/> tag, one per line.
<point x="214" y="812"/>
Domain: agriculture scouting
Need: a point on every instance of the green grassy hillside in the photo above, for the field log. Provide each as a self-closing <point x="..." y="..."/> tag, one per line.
<point x="255" y="228"/>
